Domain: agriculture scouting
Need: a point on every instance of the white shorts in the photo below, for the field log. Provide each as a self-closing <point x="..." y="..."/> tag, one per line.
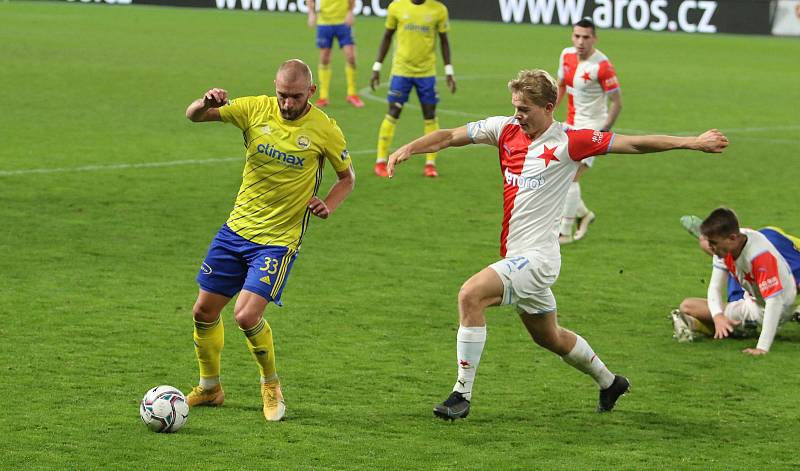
<point x="526" y="281"/>
<point x="589" y="161"/>
<point x="746" y="311"/>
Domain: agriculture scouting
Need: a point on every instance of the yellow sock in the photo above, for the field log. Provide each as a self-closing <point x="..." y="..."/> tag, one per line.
<point x="259" y="342"/>
<point x="350" y="73"/>
<point x="208" y="341"/>
<point x="430" y="126"/>
<point x="385" y="136"/>
<point x="698" y="326"/>
<point x="324" y="81"/>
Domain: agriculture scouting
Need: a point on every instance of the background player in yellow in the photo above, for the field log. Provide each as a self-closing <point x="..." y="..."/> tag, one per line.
<point x="417" y="23"/>
<point x="287" y="142"/>
<point x="335" y="20"/>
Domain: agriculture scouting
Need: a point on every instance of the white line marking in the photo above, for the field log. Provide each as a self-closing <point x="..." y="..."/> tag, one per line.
<point x="169" y="163"/>
<point x="366" y="92"/>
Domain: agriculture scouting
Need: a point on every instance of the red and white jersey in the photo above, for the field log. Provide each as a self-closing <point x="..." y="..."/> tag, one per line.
<point x="760" y="269"/>
<point x="587" y="84"/>
<point x="536" y="176"/>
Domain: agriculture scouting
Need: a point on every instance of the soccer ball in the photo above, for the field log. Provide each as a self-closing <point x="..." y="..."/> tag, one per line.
<point x="164" y="409"/>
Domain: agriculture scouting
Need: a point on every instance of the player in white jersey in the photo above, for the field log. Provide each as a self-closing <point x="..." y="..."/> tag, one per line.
<point x="588" y="80"/>
<point x="762" y="262"/>
<point x="538" y="159"/>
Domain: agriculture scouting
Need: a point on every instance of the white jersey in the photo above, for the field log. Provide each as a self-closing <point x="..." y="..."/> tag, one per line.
<point x="536" y="177"/>
<point x="760" y="269"/>
<point x="587" y="83"/>
<point x="766" y="277"/>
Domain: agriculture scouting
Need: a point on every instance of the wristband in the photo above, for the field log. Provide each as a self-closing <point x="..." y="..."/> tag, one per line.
<point x="448" y="69"/>
<point x="376" y="67"/>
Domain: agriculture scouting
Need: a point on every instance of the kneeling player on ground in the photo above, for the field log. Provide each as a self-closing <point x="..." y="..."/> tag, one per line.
<point x="760" y="270"/>
<point x="538" y="160"/>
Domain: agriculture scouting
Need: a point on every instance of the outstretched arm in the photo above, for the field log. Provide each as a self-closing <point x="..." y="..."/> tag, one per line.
<point x="433" y="142"/>
<point x="205" y="109"/>
<point x="711" y="141"/>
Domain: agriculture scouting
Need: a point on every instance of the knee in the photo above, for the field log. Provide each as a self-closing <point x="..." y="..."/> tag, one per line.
<point x="469" y="301"/>
<point x="246" y="318"/>
<point x="686" y="306"/>
<point x="204" y="312"/>
<point x="467" y="297"/>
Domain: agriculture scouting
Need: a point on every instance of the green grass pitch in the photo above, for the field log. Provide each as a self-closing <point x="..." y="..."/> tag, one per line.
<point x="103" y="230"/>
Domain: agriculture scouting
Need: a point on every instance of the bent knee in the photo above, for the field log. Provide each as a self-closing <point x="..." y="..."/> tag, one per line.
<point x="204" y="312"/>
<point x="689" y="306"/>
<point x="468" y="296"/>
<point x="247" y="318"/>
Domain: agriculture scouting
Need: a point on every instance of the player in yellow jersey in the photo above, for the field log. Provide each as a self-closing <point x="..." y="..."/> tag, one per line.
<point x="417" y="23"/>
<point x="334" y="20"/>
<point x="287" y="141"/>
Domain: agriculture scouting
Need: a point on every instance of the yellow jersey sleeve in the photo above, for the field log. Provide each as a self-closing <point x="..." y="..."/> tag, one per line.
<point x="336" y="149"/>
<point x="241" y="111"/>
<point x="391" y="16"/>
<point x="444" y="20"/>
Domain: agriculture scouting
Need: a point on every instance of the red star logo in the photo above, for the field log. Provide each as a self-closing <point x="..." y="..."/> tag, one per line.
<point x="586" y="77"/>
<point x="548" y="155"/>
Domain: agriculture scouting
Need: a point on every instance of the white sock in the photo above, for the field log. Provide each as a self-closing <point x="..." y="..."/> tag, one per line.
<point x="583" y="358"/>
<point x="209" y="382"/>
<point x="469" y="346"/>
<point x="582" y="209"/>
<point x="570" y="208"/>
<point x="380" y="160"/>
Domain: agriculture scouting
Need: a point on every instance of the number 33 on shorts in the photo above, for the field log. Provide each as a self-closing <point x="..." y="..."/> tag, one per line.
<point x="271" y="267"/>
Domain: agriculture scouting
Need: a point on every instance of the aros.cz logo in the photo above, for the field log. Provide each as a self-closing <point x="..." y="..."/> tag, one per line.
<point x="690" y="16"/>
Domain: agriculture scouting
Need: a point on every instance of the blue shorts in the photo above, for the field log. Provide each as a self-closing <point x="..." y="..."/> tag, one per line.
<point x="326" y="33"/>
<point x="234" y="263"/>
<point x="400" y="87"/>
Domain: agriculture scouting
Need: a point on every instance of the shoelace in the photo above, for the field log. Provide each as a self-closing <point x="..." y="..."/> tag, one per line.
<point x="454" y="399"/>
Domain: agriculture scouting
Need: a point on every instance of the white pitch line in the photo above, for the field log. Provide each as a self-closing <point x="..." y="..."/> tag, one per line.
<point x="366" y="92"/>
<point x="98" y="168"/>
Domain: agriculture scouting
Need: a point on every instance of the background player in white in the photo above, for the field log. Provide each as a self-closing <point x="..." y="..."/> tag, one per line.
<point x="587" y="78"/>
<point x="762" y="262"/>
<point x="538" y="160"/>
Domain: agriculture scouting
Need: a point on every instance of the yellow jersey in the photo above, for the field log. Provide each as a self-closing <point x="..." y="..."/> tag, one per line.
<point x="332" y="12"/>
<point x="417" y="27"/>
<point x="283" y="168"/>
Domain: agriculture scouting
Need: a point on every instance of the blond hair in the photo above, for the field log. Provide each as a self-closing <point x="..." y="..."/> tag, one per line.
<point x="537" y="86"/>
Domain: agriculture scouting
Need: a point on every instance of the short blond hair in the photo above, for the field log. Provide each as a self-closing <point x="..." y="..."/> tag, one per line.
<point x="536" y="85"/>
